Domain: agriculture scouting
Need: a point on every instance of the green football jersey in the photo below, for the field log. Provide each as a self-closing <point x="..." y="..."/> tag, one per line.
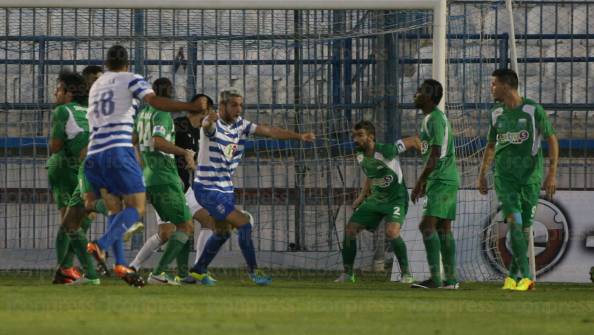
<point x="70" y="124"/>
<point x="384" y="171"/>
<point x="518" y="134"/>
<point x="158" y="167"/>
<point x="437" y="130"/>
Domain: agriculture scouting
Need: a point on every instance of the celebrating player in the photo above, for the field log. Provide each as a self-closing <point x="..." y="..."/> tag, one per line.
<point x="222" y="140"/>
<point x="384" y="195"/>
<point x="111" y="166"/>
<point x="516" y="128"/>
<point x="438" y="183"/>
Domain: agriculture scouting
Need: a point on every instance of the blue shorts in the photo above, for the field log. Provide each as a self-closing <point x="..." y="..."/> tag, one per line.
<point x="218" y="204"/>
<point x="116" y="170"/>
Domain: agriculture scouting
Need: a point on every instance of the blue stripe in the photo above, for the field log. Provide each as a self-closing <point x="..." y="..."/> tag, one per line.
<point x="226" y="133"/>
<point x="237" y="124"/>
<point x="206" y="178"/>
<point x="247" y="129"/>
<point x="138" y="91"/>
<point x="133" y="82"/>
<point x="114" y="125"/>
<point x="103" y="145"/>
<point x="222" y="161"/>
<point x="225" y="143"/>
<point x="216" y="150"/>
<point x="208" y="168"/>
<point x="104" y="135"/>
<point x="224" y="189"/>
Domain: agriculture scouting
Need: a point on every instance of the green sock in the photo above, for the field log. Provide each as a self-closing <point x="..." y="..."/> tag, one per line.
<point x="432" y="248"/>
<point x="514" y="269"/>
<point x="349" y="252"/>
<point x="64" y="253"/>
<point x="100" y="207"/>
<point x="519" y="249"/>
<point x="399" y="248"/>
<point x="182" y="260"/>
<point x="78" y="241"/>
<point x="174" y="246"/>
<point x="448" y="255"/>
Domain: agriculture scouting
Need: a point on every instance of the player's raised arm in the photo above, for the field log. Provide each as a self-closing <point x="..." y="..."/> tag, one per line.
<point x="408" y="143"/>
<point x="283" y="134"/>
<point x="169" y="105"/>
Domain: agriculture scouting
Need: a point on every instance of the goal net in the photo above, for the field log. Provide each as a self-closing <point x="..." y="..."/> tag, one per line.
<point x="305" y="70"/>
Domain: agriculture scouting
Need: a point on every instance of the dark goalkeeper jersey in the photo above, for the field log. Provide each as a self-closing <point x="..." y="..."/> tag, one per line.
<point x="186" y="137"/>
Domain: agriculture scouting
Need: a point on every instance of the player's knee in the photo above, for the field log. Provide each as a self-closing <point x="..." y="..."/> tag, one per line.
<point x="186" y="227"/>
<point x="392" y="232"/>
<point x="426" y="229"/>
<point x="351" y="230"/>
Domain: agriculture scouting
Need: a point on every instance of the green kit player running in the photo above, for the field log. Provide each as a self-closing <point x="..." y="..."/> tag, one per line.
<point x="439" y="183"/>
<point x="516" y="129"/>
<point x="384" y="196"/>
<point x="156" y="139"/>
<point x="68" y="141"/>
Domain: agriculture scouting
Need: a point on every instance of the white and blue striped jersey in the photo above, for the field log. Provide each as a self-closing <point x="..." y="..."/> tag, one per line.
<point x="112" y="108"/>
<point x="220" y="152"/>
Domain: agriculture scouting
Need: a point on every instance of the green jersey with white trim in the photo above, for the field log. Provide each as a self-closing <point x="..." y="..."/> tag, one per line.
<point x="158" y="167"/>
<point x="384" y="171"/>
<point x="518" y="133"/>
<point x="70" y="125"/>
<point x="437" y="130"/>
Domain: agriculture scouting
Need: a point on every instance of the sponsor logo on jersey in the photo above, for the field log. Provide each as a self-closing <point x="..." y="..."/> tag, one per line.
<point x="424" y="147"/>
<point x="159" y="130"/>
<point x="513" y="137"/>
<point x="383" y="182"/>
<point x="230" y="150"/>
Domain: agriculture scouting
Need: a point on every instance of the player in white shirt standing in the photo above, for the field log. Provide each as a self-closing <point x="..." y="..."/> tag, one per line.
<point x="222" y="140"/>
<point x="111" y="165"/>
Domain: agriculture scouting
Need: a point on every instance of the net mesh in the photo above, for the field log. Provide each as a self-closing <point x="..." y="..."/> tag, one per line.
<point x="307" y="70"/>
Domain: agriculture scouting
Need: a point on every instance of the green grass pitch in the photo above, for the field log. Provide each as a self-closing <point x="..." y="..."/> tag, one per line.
<point x="30" y="304"/>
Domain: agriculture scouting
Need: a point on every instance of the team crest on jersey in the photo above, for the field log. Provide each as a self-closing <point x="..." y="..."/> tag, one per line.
<point x="359" y="158"/>
<point x="424" y="147"/>
<point x="230" y="150"/>
<point x="513" y="137"/>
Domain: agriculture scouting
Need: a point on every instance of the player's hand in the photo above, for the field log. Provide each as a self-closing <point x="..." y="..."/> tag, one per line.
<point x="418" y="192"/>
<point x="358" y="202"/>
<point x="482" y="185"/>
<point x="550" y="186"/>
<point x="308" y="137"/>
<point x="190" y="162"/>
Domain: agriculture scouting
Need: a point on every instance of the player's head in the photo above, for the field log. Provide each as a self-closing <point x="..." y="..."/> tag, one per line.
<point x="429" y="94"/>
<point x="117" y="58"/>
<point x="71" y="87"/>
<point x="504" y="81"/>
<point x="363" y="134"/>
<point x="91" y="73"/>
<point x="230" y="104"/>
<point x="204" y="101"/>
<point x="163" y="87"/>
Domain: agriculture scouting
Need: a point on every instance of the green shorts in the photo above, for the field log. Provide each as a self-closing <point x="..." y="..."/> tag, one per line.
<point x="371" y="212"/>
<point x="440" y="200"/>
<point x="82" y="186"/>
<point x="62" y="179"/>
<point x="518" y="198"/>
<point x="169" y="202"/>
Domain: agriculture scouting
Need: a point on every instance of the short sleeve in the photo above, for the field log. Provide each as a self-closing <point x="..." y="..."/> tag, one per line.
<point x="390" y="151"/>
<point x="543" y="123"/>
<point x="249" y="128"/>
<point x="162" y="125"/>
<point x="436" y="127"/>
<point x="59" y="120"/>
<point x="139" y="87"/>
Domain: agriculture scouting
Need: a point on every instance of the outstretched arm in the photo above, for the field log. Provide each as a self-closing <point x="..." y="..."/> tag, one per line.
<point x="169" y="105"/>
<point x="407" y="143"/>
<point x="283" y="134"/>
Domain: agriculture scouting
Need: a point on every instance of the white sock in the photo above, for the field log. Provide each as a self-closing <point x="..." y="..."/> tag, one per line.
<point x="204" y="235"/>
<point x="151" y="245"/>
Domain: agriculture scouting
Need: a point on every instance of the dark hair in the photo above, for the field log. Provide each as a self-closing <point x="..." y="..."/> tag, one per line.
<point x="75" y="85"/>
<point x="200" y="95"/>
<point x="506" y="76"/>
<point x="367" y="125"/>
<point x="117" y="57"/>
<point x="434" y="89"/>
<point x="91" y="69"/>
<point x="163" y="87"/>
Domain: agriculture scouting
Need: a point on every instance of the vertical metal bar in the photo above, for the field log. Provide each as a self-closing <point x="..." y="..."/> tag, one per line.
<point x="299" y="168"/>
<point x="139" y="41"/>
<point x="272" y="156"/>
<point x="191" y="67"/>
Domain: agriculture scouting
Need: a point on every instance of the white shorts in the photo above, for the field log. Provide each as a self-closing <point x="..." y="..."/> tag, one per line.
<point x="193" y="205"/>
